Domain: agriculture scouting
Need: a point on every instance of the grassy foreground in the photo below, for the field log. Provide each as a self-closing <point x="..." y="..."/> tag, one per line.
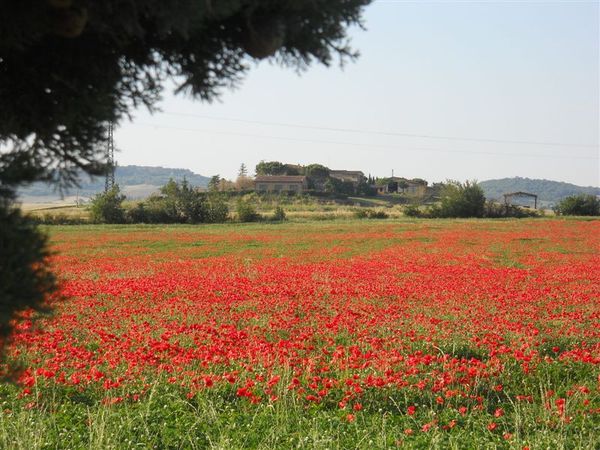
<point x="345" y="334"/>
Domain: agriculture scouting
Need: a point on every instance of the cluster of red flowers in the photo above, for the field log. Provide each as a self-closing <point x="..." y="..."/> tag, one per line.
<point x="435" y="310"/>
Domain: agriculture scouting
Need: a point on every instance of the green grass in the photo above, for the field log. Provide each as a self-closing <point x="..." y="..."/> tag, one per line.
<point x="167" y="419"/>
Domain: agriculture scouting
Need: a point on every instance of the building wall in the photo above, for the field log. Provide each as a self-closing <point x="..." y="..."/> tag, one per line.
<point x="412" y="189"/>
<point x="279" y="187"/>
<point x="354" y="178"/>
<point x="416" y="189"/>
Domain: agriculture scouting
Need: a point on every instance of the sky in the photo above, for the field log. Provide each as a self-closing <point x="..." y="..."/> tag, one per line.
<point x="442" y="90"/>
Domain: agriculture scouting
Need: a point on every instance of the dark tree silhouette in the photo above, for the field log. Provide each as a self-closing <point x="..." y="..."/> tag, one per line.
<point x="68" y="67"/>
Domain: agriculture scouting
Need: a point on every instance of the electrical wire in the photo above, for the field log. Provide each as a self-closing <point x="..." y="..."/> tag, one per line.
<point x="354" y="144"/>
<point x="382" y="133"/>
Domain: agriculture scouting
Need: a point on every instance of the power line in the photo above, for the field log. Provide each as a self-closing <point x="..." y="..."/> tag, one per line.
<point x="354" y="144"/>
<point x="382" y="133"/>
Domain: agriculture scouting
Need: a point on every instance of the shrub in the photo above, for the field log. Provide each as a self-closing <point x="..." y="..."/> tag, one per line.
<point x="137" y="214"/>
<point x="496" y="210"/>
<point x="366" y="190"/>
<point x="460" y="200"/>
<point x="579" y="205"/>
<point x="335" y="186"/>
<point x="57" y="219"/>
<point x="279" y="214"/>
<point x="412" y="211"/>
<point x="107" y="207"/>
<point x="361" y="214"/>
<point x="180" y="204"/>
<point x="246" y="212"/>
<point x="378" y="214"/>
<point x="370" y="214"/>
<point x="153" y="210"/>
<point x="216" y="210"/>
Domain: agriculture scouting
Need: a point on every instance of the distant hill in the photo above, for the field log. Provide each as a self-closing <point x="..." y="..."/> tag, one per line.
<point x="135" y="181"/>
<point x="549" y="192"/>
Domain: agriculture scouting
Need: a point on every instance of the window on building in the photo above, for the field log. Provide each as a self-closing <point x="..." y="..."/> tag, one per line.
<point x="278" y="187"/>
<point x="262" y="187"/>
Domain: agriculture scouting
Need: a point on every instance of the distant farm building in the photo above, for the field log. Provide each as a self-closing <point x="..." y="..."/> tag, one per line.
<point x="516" y="198"/>
<point x="353" y="176"/>
<point x="280" y="183"/>
<point x="395" y="185"/>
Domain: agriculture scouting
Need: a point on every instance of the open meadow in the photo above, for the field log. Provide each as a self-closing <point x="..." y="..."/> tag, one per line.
<point x="333" y="334"/>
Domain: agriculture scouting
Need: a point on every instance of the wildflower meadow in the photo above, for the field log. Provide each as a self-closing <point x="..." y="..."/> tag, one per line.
<point x="347" y="334"/>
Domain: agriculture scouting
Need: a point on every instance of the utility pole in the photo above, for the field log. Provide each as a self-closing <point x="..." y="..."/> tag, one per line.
<point x="110" y="160"/>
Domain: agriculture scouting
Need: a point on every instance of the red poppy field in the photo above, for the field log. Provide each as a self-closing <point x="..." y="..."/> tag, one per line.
<point x="350" y="334"/>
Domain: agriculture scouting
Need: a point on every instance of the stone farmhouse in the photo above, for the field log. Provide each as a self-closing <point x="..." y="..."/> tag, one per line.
<point x="281" y="183"/>
<point x="299" y="184"/>
<point x="353" y="176"/>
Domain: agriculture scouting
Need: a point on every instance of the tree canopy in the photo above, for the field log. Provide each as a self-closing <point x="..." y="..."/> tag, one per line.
<point x="462" y="200"/>
<point x="67" y="67"/>
<point x="579" y="205"/>
<point x="270" y="168"/>
<point x="317" y="171"/>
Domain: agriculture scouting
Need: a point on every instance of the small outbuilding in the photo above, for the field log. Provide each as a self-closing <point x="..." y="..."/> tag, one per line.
<point x="402" y="185"/>
<point x="511" y="196"/>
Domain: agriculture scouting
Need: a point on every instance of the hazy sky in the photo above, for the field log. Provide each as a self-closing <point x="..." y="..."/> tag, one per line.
<point x="526" y="72"/>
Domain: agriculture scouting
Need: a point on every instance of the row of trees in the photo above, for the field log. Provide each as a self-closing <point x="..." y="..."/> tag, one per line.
<point x="468" y="200"/>
<point x="242" y="183"/>
<point x="463" y="200"/>
<point x="182" y="203"/>
<point x="175" y="203"/>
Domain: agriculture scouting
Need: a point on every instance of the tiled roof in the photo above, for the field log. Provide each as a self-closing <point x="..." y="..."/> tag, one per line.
<point x="280" y="179"/>
<point x="347" y="172"/>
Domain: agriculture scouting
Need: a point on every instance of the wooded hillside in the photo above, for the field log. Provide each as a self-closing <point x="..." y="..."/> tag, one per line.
<point x="548" y="191"/>
<point x="145" y="178"/>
